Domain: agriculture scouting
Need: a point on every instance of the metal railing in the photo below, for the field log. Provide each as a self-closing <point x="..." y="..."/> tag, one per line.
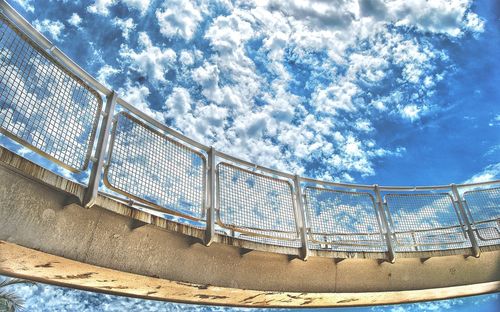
<point x="52" y="106"/>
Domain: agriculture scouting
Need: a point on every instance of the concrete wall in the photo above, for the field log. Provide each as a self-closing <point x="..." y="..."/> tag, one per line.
<point x="37" y="216"/>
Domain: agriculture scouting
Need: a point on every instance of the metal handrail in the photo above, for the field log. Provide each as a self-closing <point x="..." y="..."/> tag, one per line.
<point x="211" y="200"/>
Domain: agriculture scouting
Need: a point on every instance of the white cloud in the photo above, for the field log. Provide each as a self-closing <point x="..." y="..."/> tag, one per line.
<point x="489" y="173"/>
<point x="140" y="5"/>
<point x="495" y="121"/>
<point x="411" y="112"/>
<point x="105" y="72"/>
<point x="474" y="23"/>
<point x="137" y="95"/>
<point x="26" y="5"/>
<point x="438" y="16"/>
<point x="75" y="20"/>
<point x="186" y="58"/>
<point x="180" y="18"/>
<point x="101" y="7"/>
<point x="152" y="61"/>
<point x="126" y="26"/>
<point x="54" y="28"/>
<point x="178" y="104"/>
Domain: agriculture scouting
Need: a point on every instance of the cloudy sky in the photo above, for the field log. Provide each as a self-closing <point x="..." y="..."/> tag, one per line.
<point x="394" y="92"/>
<point x="389" y="92"/>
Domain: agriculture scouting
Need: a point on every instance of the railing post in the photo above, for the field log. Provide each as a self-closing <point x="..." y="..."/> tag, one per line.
<point x="385" y="223"/>
<point x="210" y="229"/>
<point x="300" y="218"/>
<point x="98" y="161"/>
<point x="470" y="232"/>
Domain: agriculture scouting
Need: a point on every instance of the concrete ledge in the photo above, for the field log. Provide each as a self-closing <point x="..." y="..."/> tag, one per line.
<point x="17" y="261"/>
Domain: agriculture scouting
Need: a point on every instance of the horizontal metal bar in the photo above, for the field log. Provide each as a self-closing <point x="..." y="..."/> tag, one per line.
<point x="252" y="165"/>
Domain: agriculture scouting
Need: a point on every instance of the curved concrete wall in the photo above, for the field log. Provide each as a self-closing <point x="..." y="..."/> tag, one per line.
<point x="34" y="213"/>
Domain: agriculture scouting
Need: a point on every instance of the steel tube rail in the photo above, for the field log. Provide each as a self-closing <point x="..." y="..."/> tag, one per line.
<point x="102" y="143"/>
<point x="470" y="231"/>
<point x="257" y="167"/>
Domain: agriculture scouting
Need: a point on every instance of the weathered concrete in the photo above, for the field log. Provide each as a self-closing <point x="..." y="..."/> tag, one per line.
<point x="36" y="216"/>
<point x="22" y="262"/>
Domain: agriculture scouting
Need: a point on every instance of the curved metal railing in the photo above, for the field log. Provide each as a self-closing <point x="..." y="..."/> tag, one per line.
<point x="52" y="106"/>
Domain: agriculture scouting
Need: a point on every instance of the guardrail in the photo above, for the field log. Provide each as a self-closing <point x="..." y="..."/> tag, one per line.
<point x="52" y="106"/>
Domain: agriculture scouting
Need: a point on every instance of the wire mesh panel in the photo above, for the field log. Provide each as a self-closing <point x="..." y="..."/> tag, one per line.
<point x="342" y="220"/>
<point x="425" y="222"/>
<point x="484" y="208"/>
<point x="149" y="166"/>
<point x="42" y="105"/>
<point x="258" y="207"/>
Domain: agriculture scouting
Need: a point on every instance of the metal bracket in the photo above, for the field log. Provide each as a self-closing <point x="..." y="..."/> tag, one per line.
<point x="98" y="164"/>
<point x="135" y="224"/>
<point x="470" y="232"/>
<point x="210" y="199"/>
<point x="388" y="239"/>
<point x="300" y="219"/>
<point x="244" y="251"/>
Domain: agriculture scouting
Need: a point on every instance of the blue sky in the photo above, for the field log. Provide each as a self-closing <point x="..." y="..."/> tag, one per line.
<point x="402" y="92"/>
<point x="370" y="92"/>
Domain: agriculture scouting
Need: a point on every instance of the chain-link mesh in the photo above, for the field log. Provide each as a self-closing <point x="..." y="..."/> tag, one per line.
<point x="425" y="222"/>
<point x="147" y="165"/>
<point x="256" y="205"/>
<point x="484" y="208"/>
<point x="342" y="220"/>
<point x="43" y="105"/>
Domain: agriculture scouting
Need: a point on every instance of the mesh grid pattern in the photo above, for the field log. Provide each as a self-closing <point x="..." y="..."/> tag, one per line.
<point x="43" y="105"/>
<point x="484" y="208"/>
<point x="147" y="165"/>
<point x="425" y="222"/>
<point x="346" y="221"/>
<point x="256" y="203"/>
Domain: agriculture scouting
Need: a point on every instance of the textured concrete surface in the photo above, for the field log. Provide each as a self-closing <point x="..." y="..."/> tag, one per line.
<point x="22" y="262"/>
<point x="37" y="216"/>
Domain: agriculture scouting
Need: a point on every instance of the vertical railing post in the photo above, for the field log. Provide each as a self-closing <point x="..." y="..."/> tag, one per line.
<point x="385" y="223"/>
<point x="98" y="161"/>
<point x="475" y="246"/>
<point x="300" y="218"/>
<point x="210" y="226"/>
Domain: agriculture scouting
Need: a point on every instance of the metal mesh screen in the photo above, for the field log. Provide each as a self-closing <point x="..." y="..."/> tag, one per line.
<point x="42" y="105"/>
<point x="425" y="222"/>
<point x="341" y="220"/>
<point x="484" y="208"/>
<point x="256" y="205"/>
<point x="149" y="166"/>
